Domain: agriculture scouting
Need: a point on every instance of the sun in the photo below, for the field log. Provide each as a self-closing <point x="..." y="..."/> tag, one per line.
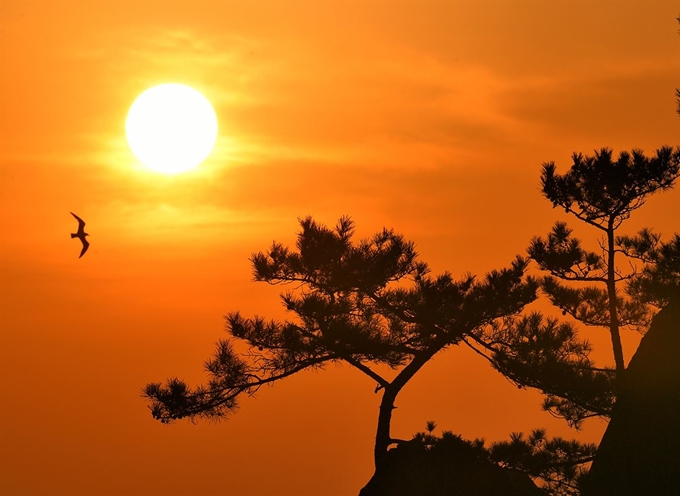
<point x="171" y="128"/>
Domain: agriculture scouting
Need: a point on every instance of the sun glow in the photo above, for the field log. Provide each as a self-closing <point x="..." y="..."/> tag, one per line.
<point x="171" y="128"/>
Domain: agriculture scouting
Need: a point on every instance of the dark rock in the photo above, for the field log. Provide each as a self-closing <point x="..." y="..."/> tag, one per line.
<point x="447" y="469"/>
<point x="640" y="450"/>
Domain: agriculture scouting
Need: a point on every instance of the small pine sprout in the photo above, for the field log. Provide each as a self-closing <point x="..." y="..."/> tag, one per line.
<point x="430" y="426"/>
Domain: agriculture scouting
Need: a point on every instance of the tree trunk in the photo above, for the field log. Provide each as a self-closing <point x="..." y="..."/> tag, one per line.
<point x="382" y="437"/>
<point x="613" y="311"/>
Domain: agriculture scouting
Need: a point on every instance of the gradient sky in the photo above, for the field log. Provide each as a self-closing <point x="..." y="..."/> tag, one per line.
<point x="430" y="117"/>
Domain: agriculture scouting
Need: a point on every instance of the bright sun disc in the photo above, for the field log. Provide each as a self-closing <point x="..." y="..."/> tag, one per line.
<point x="171" y="128"/>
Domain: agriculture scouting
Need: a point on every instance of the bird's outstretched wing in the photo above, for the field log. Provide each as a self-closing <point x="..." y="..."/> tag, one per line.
<point x="81" y="222"/>
<point x="86" y="245"/>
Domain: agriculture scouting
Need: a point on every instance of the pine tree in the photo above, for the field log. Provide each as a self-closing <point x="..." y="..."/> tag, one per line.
<point x="363" y="304"/>
<point x="544" y="353"/>
<point x="603" y="193"/>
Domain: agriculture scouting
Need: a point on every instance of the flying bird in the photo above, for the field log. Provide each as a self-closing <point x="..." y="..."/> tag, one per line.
<point x="80" y="234"/>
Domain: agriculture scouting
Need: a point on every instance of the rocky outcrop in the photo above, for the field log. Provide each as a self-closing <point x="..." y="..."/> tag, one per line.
<point x="640" y="450"/>
<point x="447" y="469"/>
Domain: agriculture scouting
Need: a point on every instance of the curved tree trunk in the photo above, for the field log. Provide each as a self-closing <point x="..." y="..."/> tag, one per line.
<point x="382" y="436"/>
<point x="383" y="440"/>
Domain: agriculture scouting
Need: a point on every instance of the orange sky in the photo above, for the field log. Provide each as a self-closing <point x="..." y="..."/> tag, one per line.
<point x="431" y="117"/>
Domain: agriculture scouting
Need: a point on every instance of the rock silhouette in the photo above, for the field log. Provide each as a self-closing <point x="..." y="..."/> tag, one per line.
<point x="449" y="468"/>
<point x="639" y="453"/>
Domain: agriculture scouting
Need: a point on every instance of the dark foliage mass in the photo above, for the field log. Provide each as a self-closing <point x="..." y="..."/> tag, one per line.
<point x="441" y="466"/>
<point x="538" y="352"/>
<point x="660" y="276"/>
<point x="556" y="463"/>
<point x="604" y="191"/>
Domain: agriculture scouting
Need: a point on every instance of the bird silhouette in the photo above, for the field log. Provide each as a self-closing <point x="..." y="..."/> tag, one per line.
<point x="80" y="234"/>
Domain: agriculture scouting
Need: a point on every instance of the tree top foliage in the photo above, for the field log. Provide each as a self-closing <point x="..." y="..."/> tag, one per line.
<point x="364" y="303"/>
<point x="601" y="190"/>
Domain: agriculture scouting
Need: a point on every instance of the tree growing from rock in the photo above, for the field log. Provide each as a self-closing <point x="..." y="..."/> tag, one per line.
<point x="364" y="304"/>
<point x="544" y="353"/>
<point x="602" y="192"/>
<point x="529" y="349"/>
